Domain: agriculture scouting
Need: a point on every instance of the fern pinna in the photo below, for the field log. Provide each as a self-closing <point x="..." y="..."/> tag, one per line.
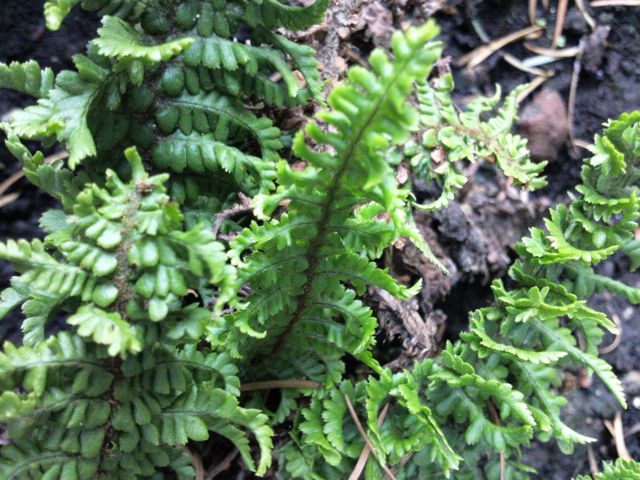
<point x="173" y="78"/>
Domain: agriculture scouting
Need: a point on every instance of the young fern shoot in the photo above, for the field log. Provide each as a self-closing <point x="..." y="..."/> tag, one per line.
<point x="447" y="137"/>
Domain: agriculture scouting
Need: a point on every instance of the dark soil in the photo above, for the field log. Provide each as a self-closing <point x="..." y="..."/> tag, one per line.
<point x="609" y="84"/>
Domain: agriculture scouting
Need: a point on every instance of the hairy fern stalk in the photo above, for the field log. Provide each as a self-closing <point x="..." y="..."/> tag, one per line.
<point x="173" y="336"/>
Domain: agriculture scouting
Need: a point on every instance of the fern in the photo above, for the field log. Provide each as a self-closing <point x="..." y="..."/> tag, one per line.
<point x="27" y="78"/>
<point x="309" y="243"/>
<point x="173" y="80"/>
<point x="116" y="393"/>
<point x="447" y="137"/>
<point x="495" y="389"/>
<point x="620" y="469"/>
<point x="171" y="336"/>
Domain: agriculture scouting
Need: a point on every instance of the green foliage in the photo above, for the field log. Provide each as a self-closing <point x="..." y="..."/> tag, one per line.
<point x="618" y="470"/>
<point x="448" y="137"/>
<point x="307" y="267"/>
<point x="120" y="267"/>
<point x="495" y="389"/>
<point x="56" y="10"/>
<point x="26" y="78"/>
<point x="164" y="324"/>
<point x="174" y="81"/>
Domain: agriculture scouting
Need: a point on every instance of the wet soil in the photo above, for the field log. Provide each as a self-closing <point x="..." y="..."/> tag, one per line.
<point x="609" y="84"/>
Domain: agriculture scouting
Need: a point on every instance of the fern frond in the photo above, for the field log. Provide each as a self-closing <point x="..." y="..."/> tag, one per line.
<point x="274" y="13"/>
<point x="448" y="137"/>
<point x="368" y="114"/>
<point x="62" y="115"/>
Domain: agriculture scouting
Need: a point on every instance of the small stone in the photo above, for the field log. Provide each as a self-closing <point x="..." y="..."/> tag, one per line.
<point x="545" y="125"/>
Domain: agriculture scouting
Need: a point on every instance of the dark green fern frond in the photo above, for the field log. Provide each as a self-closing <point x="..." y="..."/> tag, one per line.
<point x="157" y="68"/>
<point x="114" y="393"/>
<point x="291" y="310"/>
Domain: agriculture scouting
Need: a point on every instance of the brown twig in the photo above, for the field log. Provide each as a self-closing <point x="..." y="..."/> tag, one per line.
<point x="533" y="8"/>
<point x="615" y="3"/>
<point x="632" y="431"/>
<point x="8" y="182"/>
<point x="522" y="65"/>
<point x="593" y="464"/>
<point x="573" y="91"/>
<point x="269" y="384"/>
<point x="224" y="465"/>
<point x="587" y="18"/>
<point x="552" y="52"/>
<point x="535" y="83"/>
<point x="363" y="434"/>
<point x="196" y="461"/>
<point x="7" y="199"/>
<point x="616" y="340"/>
<point x="581" y="143"/>
<point x="243" y="206"/>
<point x="364" y="455"/>
<point x="480" y="54"/>
<point x="560" y="17"/>
<point x="617" y="432"/>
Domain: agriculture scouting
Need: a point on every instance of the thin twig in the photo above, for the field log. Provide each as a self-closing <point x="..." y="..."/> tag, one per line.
<point x="7" y="199"/>
<point x="581" y="144"/>
<point x="617" y="433"/>
<point x="524" y="66"/>
<point x="552" y="52"/>
<point x="535" y="83"/>
<point x="224" y="465"/>
<point x="270" y="384"/>
<point x="593" y="464"/>
<point x="56" y="156"/>
<point x="363" y="434"/>
<point x="587" y="18"/>
<point x="560" y="17"/>
<point x="615" y="3"/>
<point x="196" y="461"/>
<point x="503" y="466"/>
<point x="7" y="183"/>
<point x="364" y="455"/>
<point x="616" y="340"/>
<point x="480" y="54"/>
<point x="243" y="206"/>
<point x="533" y="8"/>
<point x="573" y="90"/>
<point x="632" y="431"/>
